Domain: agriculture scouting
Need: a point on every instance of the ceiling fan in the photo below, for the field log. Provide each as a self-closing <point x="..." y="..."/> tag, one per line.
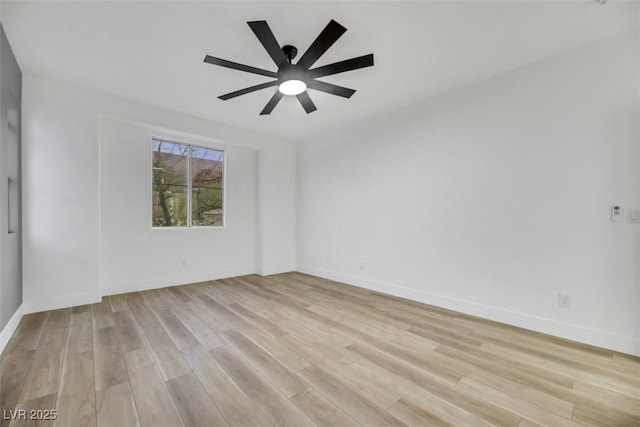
<point x="294" y="79"/>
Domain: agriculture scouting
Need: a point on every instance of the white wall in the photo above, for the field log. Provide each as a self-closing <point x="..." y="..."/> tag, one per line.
<point x="59" y="196"/>
<point x="277" y="224"/>
<point x="66" y="130"/>
<point x="136" y="256"/>
<point x="492" y="199"/>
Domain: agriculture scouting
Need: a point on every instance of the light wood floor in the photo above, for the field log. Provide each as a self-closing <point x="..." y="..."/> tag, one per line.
<point x="296" y="350"/>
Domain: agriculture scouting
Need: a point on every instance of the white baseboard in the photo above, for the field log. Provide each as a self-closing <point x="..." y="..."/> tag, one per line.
<point x="35" y="305"/>
<point x="276" y="269"/>
<point x="145" y="285"/>
<point x="10" y="328"/>
<point x="596" y="337"/>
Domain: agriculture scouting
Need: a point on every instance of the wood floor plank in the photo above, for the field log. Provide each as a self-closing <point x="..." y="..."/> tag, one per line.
<point x="602" y="415"/>
<point x="597" y="394"/>
<point x="234" y="405"/>
<point x="109" y="364"/>
<point x="102" y="315"/>
<point x="429" y="402"/>
<point x="292" y="360"/>
<point x="413" y="415"/>
<point x="118" y="303"/>
<point x="442" y="336"/>
<point x="434" y="383"/>
<point x="142" y="313"/>
<point x="529" y="395"/>
<point x="169" y="359"/>
<point x="544" y="400"/>
<point x="256" y="304"/>
<point x="524" y="409"/>
<point x="208" y="315"/>
<point x="213" y="291"/>
<point x="188" y="317"/>
<point x="153" y="401"/>
<point x="621" y="359"/>
<point x="220" y="313"/>
<point x="203" y="333"/>
<point x="154" y="300"/>
<point x="115" y="407"/>
<point x="168" y="297"/>
<point x="178" y="332"/>
<point x="274" y="371"/>
<point x="28" y="333"/>
<point x="615" y="381"/>
<point x="275" y="406"/>
<point x="511" y="368"/>
<point x="38" y="412"/>
<point x="80" y="338"/>
<point x="315" y="331"/>
<point x="77" y="375"/>
<point x="191" y="355"/>
<point x="363" y="325"/>
<point x="194" y="404"/>
<point x="563" y="347"/>
<point x="81" y="318"/>
<point x="347" y="399"/>
<point x="576" y="362"/>
<point x="209" y="338"/>
<point x="129" y="333"/>
<point x="14" y="368"/>
<point x="44" y="375"/>
<point x="179" y="293"/>
<point x="306" y="351"/>
<point x="58" y="320"/>
<point x="257" y="321"/>
<point x="526" y="423"/>
<point x="321" y="410"/>
<point x="86" y="308"/>
<point x="363" y="385"/>
<point x="315" y="343"/>
<point x="76" y="399"/>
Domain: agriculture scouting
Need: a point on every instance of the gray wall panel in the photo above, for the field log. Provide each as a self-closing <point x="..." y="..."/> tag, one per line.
<point x="10" y="183"/>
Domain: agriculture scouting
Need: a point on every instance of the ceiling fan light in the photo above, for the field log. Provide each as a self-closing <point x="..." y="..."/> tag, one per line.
<point x="292" y="87"/>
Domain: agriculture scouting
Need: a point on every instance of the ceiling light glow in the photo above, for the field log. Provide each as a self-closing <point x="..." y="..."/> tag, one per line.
<point x="292" y="87"/>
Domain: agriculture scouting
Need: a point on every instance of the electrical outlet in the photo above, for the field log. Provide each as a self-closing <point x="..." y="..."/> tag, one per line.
<point x="633" y="215"/>
<point x="564" y="301"/>
<point x="362" y="266"/>
<point x="184" y="263"/>
<point x="326" y="260"/>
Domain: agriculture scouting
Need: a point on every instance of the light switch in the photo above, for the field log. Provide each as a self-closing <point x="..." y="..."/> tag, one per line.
<point x="617" y="213"/>
<point x="633" y="215"/>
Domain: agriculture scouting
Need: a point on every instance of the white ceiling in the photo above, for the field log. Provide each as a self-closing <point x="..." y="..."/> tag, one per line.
<point x="152" y="52"/>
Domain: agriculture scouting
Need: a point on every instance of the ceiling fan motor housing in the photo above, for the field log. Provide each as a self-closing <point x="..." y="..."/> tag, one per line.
<point x="293" y="72"/>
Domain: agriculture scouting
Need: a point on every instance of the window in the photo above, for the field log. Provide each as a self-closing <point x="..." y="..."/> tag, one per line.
<point x="187" y="185"/>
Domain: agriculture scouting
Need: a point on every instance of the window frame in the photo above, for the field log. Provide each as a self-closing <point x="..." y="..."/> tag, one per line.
<point x="190" y="225"/>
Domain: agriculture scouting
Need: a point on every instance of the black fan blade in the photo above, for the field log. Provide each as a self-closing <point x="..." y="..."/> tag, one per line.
<point x="342" y="66"/>
<point x="325" y="39"/>
<point x="263" y="33"/>
<point x="248" y="90"/>
<point x="229" y="64"/>
<point x="331" y="88"/>
<point x="306" y="102"/>
<point x="272" y="103"/>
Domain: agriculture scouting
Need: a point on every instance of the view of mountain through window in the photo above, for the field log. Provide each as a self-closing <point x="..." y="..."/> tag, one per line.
<point x="188" y="185"/>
